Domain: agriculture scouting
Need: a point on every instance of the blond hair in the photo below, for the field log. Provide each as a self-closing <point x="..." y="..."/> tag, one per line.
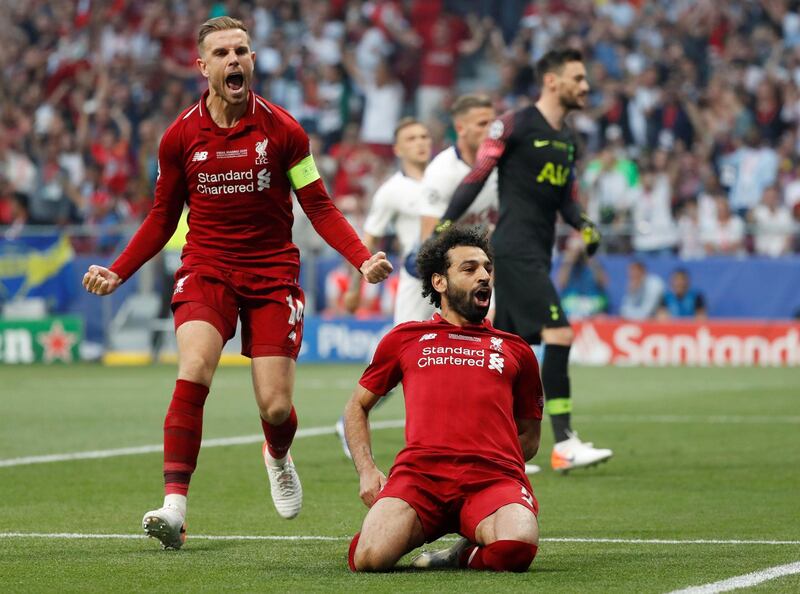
<point x="222" y="23"/>
<point x="405" y="123"/>
<point x="466" y="102"/>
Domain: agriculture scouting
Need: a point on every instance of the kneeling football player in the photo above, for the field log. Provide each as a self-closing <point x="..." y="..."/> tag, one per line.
<point x="473" y="402"/>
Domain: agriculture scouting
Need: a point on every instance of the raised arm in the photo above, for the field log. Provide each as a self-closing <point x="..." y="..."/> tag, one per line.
<point x="327" y="220"/>
<point x="159" y="225"/>
<point x="489" y="153"/>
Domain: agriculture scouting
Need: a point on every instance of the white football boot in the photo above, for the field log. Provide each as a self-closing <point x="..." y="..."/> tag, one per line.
<point x="287" y="492"/>
<point x="167" y="525"/>
<point x="342" y="438"/>
<point x="574" y="453"/>
<point x="442" y="558"/>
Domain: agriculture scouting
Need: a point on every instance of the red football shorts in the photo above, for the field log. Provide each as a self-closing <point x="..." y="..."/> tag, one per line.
<point x="456" y="498"/>
<point x="271" y="314"/>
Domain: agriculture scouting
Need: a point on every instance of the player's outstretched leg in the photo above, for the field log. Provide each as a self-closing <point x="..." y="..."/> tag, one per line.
<point x="183" y="429"/>
<point x="569" y="451"/>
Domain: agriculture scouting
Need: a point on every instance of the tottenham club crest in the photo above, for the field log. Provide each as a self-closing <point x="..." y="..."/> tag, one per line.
<point x="261" y="152"/>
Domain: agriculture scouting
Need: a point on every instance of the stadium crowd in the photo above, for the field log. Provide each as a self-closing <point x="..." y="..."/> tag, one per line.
<point x="690" y="142"/>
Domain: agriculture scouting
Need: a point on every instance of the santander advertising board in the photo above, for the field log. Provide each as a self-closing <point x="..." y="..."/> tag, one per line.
<point x="611" y="341"/>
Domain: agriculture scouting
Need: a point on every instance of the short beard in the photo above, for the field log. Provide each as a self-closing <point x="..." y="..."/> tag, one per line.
<point x="463" y="303"/>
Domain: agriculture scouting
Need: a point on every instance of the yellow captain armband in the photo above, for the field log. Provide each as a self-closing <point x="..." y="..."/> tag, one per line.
<point x="304" y="173"/>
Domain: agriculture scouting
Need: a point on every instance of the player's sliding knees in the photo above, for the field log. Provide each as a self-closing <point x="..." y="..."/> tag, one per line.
<point x="512" y="534"/>
<point x="368" y="556"/>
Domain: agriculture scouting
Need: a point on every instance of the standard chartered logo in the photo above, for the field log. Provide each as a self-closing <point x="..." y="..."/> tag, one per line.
<point x="264" y="179"/>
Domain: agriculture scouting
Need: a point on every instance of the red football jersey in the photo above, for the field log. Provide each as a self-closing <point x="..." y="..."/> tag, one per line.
<point x="463" y="386"/>
<point x="237" y="183"/>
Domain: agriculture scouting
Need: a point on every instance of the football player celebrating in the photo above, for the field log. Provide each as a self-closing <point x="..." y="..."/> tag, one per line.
<point x="459" y="376"/>
<point x="234" y="159"/>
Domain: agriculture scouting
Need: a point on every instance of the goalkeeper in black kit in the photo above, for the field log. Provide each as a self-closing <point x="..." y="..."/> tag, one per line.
<point x="535" y="155"/>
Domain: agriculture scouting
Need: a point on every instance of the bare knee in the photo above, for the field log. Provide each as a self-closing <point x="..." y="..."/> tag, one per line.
<point x="197" y="368"/>
<point x="371" y="558"/>
<point x="274" y="408"/>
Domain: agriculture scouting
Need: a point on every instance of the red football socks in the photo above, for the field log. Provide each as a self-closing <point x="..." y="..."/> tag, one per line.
<point x="183" y="430"/>
<point x="501" y="555"/>
<point x="279" y="437"/>
<point x="351" y="553"/>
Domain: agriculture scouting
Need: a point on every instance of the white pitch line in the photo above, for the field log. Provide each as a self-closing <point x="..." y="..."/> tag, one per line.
<point x="743" y="581"/>
<point x="207" y="443"/>
<point x="235" y="537"/>
<point x="328" y="430"/>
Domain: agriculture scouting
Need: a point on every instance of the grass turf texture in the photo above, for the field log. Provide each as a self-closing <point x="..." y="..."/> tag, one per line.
<point x="699" y="454"/>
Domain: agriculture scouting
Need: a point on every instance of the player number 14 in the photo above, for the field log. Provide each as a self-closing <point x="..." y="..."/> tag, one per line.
<point x="295" y="310"/>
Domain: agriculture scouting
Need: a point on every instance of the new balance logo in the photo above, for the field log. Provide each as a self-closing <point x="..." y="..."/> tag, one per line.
<point x="200" y="156"/>
<point x="496" y="362"/>
<point x="264" y="179"/>
<point x="430" y="336"/>
<point x="497" y="344"/>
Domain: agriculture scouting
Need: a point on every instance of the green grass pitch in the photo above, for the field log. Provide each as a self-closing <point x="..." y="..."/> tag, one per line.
<point x="698" y="454"/>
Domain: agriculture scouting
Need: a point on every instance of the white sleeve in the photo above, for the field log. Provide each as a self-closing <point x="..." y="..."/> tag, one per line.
<point x="438" y="186"/>
<point x="382" y="211"/>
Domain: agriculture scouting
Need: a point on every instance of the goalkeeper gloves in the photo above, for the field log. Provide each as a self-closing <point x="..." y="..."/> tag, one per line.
<point x="590" y="235"/>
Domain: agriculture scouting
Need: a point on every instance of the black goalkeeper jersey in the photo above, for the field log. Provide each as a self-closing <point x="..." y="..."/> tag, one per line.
<point x="535" y="165"/>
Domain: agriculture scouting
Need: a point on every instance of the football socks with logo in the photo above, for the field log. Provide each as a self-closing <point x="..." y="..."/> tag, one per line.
<point x="279" y="437"/>
<point x="183" y="430"/>
<point x="501" y="555"/>
<point x="555" y="381"/>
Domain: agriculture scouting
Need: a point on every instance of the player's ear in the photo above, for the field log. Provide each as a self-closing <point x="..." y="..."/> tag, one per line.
<point x="439" y="282"/>
<point x="202" y="66"/>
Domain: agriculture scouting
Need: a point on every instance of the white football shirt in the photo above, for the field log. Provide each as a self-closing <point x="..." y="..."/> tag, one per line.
<point x="440" y="181"/>
<point x="396" y="205"/>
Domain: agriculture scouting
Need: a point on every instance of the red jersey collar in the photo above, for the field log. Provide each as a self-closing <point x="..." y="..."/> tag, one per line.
<point x="484" y="325"/>
<point x="208" y="123"/>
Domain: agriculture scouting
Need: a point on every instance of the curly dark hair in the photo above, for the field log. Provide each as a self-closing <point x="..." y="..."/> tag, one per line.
<point x="433" y="255"/>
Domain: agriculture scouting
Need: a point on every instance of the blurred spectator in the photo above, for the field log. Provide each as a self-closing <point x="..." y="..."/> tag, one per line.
<point x="383" y="105"/>
<point x="772" y="225"/>
<point x="608" y="183"/>
<point x="447" y="40"/>
<point x="690" y="238"/>
<point x="643" y="294"/>
<point x="705" y="94"/>
<point x="18" y="215"/>
<point x="681" y="300"/>
<point x="747" y="171"/>
<point x="725" y="233"/>
<point x="653" y="228"/>
<point x="581" y="282"/>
